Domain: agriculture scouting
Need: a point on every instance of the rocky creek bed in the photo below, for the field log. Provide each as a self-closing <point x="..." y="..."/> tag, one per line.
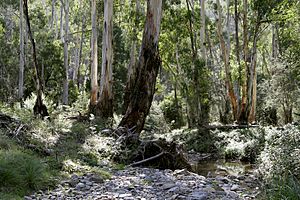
<point x="146" y="184"/>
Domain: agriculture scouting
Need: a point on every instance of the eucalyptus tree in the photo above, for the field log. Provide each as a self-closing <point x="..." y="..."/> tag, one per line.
<point x="66" y="53"/>
<point x="94" y="58"/>
<point x="39" y="108"/>
<point x="147" y="69"/>
<point x="22" y="54"/>
<point x="104" y="106"/>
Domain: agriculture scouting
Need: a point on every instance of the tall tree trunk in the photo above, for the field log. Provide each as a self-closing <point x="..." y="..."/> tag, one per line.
<point x="225" y="57"/>
<point x="22" y="56"/>
<point x="39" y="108"/>
<point x="244" y="112"/>
<point x="193" y="100"/>
<point x="252" y="86"/>
<point x="105" y="101"/>
<point x="202" y="30"/>
<point x="148" y="66"/>
<point x="53" y="13"/>
<point x="237" y="54"/>
<point x="62" y="21"/>
<point x="66" y="55"/>
<point x="94" y="59"/>
<point x="275" y="49"/>
<point x="132" y="64"/>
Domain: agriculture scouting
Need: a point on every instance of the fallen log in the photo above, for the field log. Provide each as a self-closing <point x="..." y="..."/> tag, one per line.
<point x="230" y="127"/>
<point x="158" y="153"/>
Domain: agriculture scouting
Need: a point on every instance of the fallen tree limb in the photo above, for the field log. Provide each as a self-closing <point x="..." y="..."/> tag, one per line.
<point x="229" y="127"/>
<point x="147" y="159"/>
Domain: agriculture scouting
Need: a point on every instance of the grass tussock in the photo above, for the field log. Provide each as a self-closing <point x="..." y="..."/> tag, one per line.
<point x="21" y="173"/>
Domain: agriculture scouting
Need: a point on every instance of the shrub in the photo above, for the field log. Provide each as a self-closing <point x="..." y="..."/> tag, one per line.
<point x="279" y="163"/>
<point x="21" y="173"/>
<point x="155" y="121"/>
<point x="173" y="110"/>
<point x="242" y="144"/>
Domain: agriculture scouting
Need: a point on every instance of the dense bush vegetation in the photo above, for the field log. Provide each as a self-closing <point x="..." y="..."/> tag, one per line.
<point x="279" y="162"/>
<point x="20" y="172"/>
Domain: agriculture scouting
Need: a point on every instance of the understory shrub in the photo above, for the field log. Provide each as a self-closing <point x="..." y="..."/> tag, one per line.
<point x="21" y="173"/>
<point x="240" y="144"/>
<point x="279" y="163"/>
<point x="155" y="121"/>
<point x="172" y="109"/>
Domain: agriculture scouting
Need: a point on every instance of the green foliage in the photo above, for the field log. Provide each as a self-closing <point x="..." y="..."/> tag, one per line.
<point x="243" y="144"/>
<point x="172" y="109"/>
<point x="21" y="173"/>
<point x="155" y="121"/>
<point x="285" y="187"/>
<point x="201" y="141"/>
<point x="279" y="163"/>
<point x="281" y="153"/>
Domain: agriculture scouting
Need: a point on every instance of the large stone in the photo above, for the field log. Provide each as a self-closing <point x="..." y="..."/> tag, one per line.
<point x="80" y="186"/>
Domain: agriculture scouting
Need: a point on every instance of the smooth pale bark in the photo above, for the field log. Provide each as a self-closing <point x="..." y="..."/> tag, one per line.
<point x="252" y="83"/>
<point x="39" y="108"/>
<point x="80" y="53"/>
<point x="225" y="56"/>
<point x="66" y="55"/>
<point x="131" y="73"/>
<point x="105" y="101"/>
<point x="94" y="58"/>
<point x="53" y="13"/>
<point x="202" y="30"/>
<point x="61" y="21"/>
<point x="148" y="65"/>
<point x="275" y="48"/>
<point x="22" y="55"/>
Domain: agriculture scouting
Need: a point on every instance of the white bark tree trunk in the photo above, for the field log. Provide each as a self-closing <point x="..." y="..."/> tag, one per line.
<point x="94" y="57"/>
<point x="105" y="102"/>
<point x="66" y="56"/>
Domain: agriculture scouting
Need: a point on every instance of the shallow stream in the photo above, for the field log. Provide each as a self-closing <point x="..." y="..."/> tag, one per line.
<point x="234" y="176"/>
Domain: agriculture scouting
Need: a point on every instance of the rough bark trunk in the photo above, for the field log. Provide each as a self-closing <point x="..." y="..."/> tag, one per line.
<point x="237" y="51"/>
<point x="39" y="108"/>
<point x="22" y="56"/>
<point x="131" y="74"/>
<point x="148" y="66"/>
<point x="94" y="59"/>
<point x="105" y="101"/>
<point x="244" y="111"/>
<point x="66" y="56"/>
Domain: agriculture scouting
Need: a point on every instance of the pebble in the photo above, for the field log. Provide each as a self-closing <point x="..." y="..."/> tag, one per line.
<point x="145" y="183"/>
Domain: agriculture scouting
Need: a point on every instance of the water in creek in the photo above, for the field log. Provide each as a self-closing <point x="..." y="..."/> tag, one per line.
<point x="213" y="168"/>
<point x="236" y="176"/>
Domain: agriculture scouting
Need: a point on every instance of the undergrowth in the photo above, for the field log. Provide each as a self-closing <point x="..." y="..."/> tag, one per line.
<point x="21" y="171"/>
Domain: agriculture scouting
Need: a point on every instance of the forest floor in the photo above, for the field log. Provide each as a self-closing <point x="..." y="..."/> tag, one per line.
<point x="80" y="152"/>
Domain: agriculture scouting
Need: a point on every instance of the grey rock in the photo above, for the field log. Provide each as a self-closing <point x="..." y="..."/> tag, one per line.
<point x="96" y="179"/>
<point x="125" y="195"/>
<point x="234" y="187"/>
<point x="198" y="196"/>
<point x="167" y="186"/>
<point x="79" y="186"/>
